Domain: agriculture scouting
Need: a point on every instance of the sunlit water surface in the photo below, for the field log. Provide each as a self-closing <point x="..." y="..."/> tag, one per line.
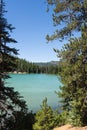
<point x="35" y="87"/>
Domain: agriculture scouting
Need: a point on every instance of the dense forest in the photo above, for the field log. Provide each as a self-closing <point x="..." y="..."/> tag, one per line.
<point x="24" y="66"/>
<point x="14" y="114"/>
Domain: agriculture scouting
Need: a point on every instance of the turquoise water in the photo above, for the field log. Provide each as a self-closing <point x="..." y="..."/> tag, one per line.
<point x="35" y="87"/>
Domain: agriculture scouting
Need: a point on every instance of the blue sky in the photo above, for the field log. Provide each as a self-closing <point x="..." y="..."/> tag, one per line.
<point x="32" y="24"/>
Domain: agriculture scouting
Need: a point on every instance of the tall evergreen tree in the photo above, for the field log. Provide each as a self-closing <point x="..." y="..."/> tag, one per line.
<point x="72" y="15"/>
<point x="68" y="16"/>
<point x="9" y="99"/>
<point x="74" y="78"/>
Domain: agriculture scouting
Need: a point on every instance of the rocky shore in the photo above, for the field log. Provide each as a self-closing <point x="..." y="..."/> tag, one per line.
<point x="15" y="72"/>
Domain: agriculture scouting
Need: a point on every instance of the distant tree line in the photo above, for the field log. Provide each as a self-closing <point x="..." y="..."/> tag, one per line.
<point x="23" y="65"/>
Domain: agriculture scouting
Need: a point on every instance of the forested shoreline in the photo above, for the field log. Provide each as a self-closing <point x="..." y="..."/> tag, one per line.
<point x="24" y="66"/>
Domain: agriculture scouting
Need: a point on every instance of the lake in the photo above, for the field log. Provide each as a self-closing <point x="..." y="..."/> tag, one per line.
<point x="35" y="87"/>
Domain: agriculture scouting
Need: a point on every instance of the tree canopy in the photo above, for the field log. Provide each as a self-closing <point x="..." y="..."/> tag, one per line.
<point x="10" y="100"/>
<point x="69" y="16"/>
<point x="44" y="119"/>
<point x="74" y="78"/>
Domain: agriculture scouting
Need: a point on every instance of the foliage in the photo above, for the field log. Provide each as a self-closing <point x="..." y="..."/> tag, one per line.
<point x="44" y="119"/>
<point x="10" y="100"/>
<point x="59" y="118"/>
<point x="23" y="121"/>
<point x="74" y="115"/>
<point x="68" y="16"/>
<point x="23" y="65"/>
<point x="74" y="78"/>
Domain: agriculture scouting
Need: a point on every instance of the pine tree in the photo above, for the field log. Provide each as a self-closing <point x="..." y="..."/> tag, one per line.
<point x="44" y="119"/>
<point x="68" y="16"/>
<point x="9" y="99"/>
<point x="74" y="78"/>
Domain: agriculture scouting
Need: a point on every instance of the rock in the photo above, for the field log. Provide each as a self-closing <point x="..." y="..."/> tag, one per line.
<point x="69" y="127"/>
<point x="65" y="127"/>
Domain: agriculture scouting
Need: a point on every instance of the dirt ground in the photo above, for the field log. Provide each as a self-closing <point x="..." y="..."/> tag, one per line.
<point x="69" y="127"/>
